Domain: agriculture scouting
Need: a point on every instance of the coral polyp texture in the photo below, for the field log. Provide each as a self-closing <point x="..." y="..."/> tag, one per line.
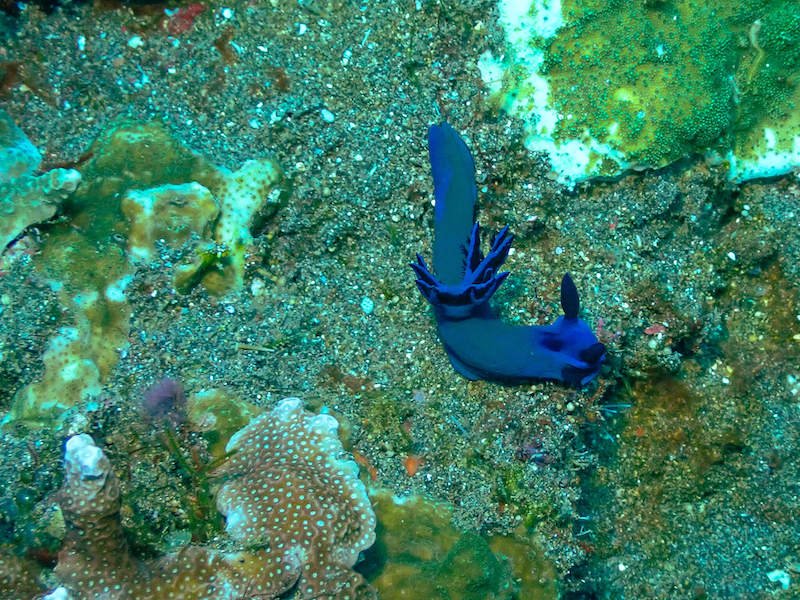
<point x="289" y="486"/>
<point x="297" y="516"/>
<point x="25" y="197"/>
<point x="94" y="558"/>
<point x="603" y="87"/>
<point x="169" y="212"/>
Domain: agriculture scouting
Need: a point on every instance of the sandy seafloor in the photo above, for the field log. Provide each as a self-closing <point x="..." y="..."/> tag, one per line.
<point x="674" y="475"/>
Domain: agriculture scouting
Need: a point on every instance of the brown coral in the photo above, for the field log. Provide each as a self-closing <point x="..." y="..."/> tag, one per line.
<point x="291" y="487"/>
<point x="95" y="561"/>
<point x="295" y="508"/>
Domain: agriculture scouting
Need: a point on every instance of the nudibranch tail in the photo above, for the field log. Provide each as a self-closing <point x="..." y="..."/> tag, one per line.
<point x="455" y="194"/>
<point x="480" y="345"/>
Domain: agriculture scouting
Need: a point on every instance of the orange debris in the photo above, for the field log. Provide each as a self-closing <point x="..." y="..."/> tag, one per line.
<point x="412" y="463"/>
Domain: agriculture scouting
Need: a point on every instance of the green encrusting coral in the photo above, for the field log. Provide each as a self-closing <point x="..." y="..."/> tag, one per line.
<point x="139" y="186"/>
<point x="767" y="123"/>
<point x="419" y="553"/>
<point x="668" y="90"/>
<point x="608" y="86"/>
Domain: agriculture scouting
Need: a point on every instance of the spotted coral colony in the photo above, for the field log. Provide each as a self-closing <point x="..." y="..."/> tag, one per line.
<point x="297" y="515"/>
<point x="25" y="197"/>
<point x="303" y="499"/>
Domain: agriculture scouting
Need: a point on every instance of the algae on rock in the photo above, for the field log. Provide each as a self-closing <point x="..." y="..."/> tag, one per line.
<point x="419" y="553"/>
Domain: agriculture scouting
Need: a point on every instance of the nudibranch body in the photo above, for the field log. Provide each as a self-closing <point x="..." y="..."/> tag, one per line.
<point x="478" y="343"/>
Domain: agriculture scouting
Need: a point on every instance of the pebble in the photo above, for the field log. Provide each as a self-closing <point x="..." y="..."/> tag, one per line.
<point x="367" y="305"/>
<point x="258" y="286"/>
<point x="781" y="577"/>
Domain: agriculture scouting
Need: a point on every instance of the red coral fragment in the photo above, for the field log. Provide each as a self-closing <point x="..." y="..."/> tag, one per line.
<point x="655" y="329"/>
<point x="183" y="19"/>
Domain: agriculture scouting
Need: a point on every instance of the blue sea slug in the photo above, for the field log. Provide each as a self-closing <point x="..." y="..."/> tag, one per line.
<point x="479" y="344"/>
